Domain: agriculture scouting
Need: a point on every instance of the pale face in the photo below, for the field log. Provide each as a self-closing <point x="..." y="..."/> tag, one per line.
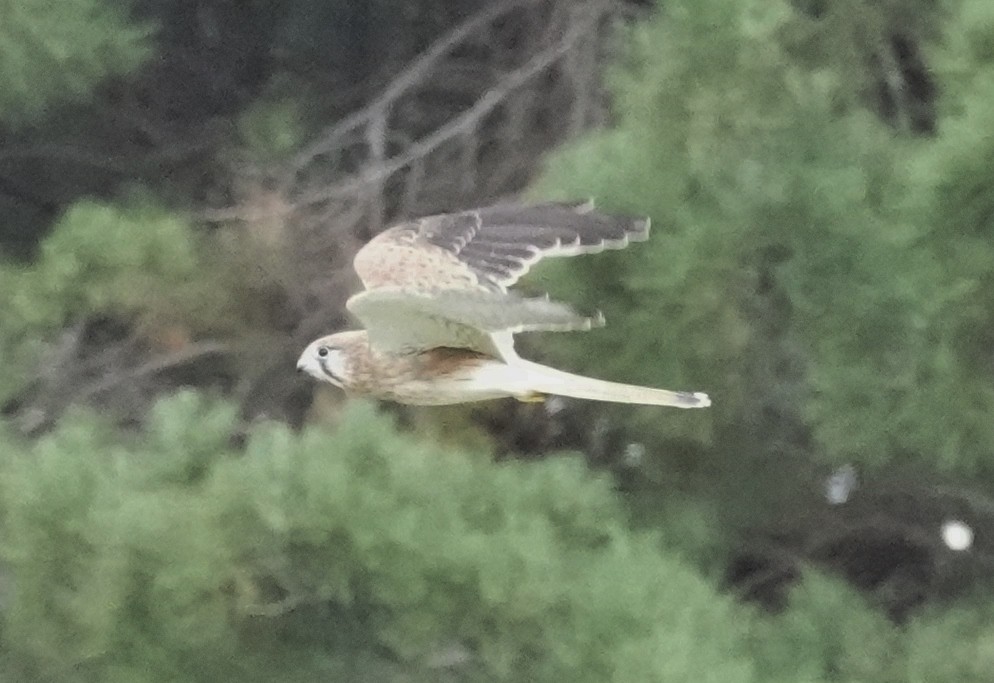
<point x="325" y="361"/>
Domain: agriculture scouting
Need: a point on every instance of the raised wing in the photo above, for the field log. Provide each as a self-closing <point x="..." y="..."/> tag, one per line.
<point x="489" y="248"/>
<point x="405" y="320"/>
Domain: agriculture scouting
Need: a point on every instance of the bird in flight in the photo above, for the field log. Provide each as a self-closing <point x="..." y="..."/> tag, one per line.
<point x="439" y="319"/>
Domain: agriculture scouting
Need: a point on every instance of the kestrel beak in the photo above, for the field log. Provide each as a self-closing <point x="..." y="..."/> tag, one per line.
<point x="304" y="364"/>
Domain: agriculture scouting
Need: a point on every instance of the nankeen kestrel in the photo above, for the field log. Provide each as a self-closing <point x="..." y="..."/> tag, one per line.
<point x="439" y="319"/>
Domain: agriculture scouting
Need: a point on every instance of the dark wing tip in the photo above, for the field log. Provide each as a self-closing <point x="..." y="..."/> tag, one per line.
<point x="640" y="229"/>
<point x="636" y="228"/>
<point x="693" y="399"/>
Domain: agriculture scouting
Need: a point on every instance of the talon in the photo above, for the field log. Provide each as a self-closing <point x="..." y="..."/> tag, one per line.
<point x="531" y="397"/>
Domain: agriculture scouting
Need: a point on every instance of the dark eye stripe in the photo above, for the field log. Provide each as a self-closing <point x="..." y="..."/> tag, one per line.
<point x="323" y="362"/>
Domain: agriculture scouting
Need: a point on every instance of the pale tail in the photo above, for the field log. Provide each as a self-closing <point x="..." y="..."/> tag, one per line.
<point x="545" y="380"/>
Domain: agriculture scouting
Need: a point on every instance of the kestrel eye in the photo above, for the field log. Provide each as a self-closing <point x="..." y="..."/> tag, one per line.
<point x="323" y="352"/>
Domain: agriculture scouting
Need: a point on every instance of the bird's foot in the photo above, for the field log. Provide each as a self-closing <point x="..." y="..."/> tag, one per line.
<point x="531" y="397"/>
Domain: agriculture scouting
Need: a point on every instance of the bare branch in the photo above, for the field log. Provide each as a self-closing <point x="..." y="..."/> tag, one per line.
<point x="458" y="126"/>
<point x="153" y="366"/>
<point x="411" y="76"/>
<point x="376" y="139"/>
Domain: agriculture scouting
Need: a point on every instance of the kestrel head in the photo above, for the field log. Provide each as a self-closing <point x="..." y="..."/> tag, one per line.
<point x="328" y="358"/>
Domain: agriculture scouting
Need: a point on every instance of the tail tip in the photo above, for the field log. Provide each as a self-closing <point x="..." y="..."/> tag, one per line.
<point x="694" y="399"/>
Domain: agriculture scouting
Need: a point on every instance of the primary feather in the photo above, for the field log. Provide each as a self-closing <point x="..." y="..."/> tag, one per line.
<point x="490" y="248"/>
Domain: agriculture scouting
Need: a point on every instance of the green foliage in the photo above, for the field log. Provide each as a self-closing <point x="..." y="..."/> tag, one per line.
<point x="785" y="238"/>
<point x="956" y="646"/>
<point x="965" y="54"/>
<point x="176" y="557"/>
<point x="856" y="41"/>
<point x="828" y="628"/>
<point x="100" y="257"/>
<point x="50" y="52"/>
<point x="948" y="179"/>
<point x="272" y="129"/>
<point x="135" y="262"/>
<point x="358" y="554"/>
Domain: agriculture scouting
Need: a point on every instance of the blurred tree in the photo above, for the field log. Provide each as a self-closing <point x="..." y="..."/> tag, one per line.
<point x="363" y="554"/>
<point x="109" y="285"/>
<point x="173" y="123"/>
<point x="286" y="135"/>
<point x="51" y="54"/>
<point x="356" y="554"/>
<point x="836" y="631"/>
<point x="820" y="270"/>
<point x="785" y="274"/>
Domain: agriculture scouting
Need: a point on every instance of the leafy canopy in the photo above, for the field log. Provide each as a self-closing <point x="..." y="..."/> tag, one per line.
<point x="178" y="555"/>
<point x="52" y="52"/>
<point x="808" y="264"/>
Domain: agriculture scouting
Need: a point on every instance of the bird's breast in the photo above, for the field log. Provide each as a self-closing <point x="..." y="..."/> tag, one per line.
<point x="445" y="362"/>
<point x="435" y="377"/>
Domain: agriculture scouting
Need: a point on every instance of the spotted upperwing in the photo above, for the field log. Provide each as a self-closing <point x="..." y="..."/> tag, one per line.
<point x="492" y="247"/>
